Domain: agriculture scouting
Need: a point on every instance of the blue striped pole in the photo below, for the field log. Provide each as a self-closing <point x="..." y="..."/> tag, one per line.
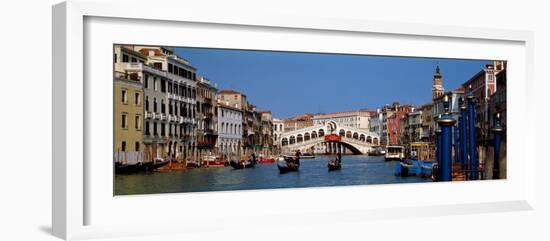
<point x="474" y="164"/>
<point x="455" y="142"/>
<point x="437" y="153"/>
<point x="463" y="142"/>
<point x="497" y="130"/>
<point x="438" y="146"/>
<point x="446" y="123"/>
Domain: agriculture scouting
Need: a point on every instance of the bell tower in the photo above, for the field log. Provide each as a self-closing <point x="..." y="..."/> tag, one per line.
<point x="437" y="88"/>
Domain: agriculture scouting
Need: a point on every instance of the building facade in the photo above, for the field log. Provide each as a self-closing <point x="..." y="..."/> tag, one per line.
<point x="128" y="118"/>
<point x="415" y="129"/>
<point x="498" y="100"/>
<point x="359" y="119"/>
<point x="233" y="98"/>
<point x="375" y="123"/>
<point x="207" y="121"/>
<point x="483" y="85"/>
<point x="168" y="87"/>
<point x="428" y="123"/>
<point x="298" y="122"/>
<point x="392" y="118"/>
<point x="230" y="131"/>
<point x="266" y="132"/>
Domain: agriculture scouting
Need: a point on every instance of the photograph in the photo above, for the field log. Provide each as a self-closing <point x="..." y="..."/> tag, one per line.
<point x="190" y="119"/>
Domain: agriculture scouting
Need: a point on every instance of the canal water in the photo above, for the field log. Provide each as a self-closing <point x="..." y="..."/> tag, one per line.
<point x="356" y="170"/>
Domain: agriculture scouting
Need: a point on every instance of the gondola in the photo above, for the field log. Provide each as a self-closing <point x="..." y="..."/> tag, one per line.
<point x="157" y="164"/>
<point x="242" y="164"/>
<point x="121" y="168"/>
<point x="334" y="165"/>
<point x="287" y="165"/>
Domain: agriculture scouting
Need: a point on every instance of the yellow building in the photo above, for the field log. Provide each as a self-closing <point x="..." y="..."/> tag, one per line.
<point x="128" y="110"/>
<point x="128" y="118"/>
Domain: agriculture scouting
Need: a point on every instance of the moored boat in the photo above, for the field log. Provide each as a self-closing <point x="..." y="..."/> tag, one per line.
<point x="192" y="164"/>
<point x="378" y="151"/>
<point x="394" y="153"/>
<point x="157" y="163"/>
<point x="414" y="167"/>
<point x="123" y="168"/>
<point x="212" y="161"/>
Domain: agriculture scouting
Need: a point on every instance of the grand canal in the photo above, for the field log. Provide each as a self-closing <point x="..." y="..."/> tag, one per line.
<point x="356" y="170"/>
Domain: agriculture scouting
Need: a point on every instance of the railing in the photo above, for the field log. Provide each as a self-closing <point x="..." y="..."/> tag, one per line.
<point x="308" y="142"/>
<point x="355" y="141"/>
<point x="322" y="139"/>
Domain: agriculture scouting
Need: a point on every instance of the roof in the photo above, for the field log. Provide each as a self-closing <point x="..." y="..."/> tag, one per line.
<point x="130" y="49"/>
<point x="145" y="51"/>
<point x="343" y="113"/>
<point x="222" y="105"/>
<point x="232" y="92"/>
<point x="303" y="117"/>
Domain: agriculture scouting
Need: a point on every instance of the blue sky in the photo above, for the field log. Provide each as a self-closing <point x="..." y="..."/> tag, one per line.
<point x="289" y="83"/>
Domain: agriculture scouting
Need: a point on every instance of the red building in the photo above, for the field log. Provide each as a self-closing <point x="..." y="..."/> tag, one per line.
<point x="394" y="122"/>
<point x="483" y="86"/>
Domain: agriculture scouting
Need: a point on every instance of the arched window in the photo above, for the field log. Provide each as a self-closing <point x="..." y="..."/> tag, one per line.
<point x="313" y="134"/>
<point x="375" y="141"/>
<point x="342" y="132"/>
<point x="362" y="137"/>
<point x="307" y="136"/>
<point x="355" y="136"/>
<point x="292" y="140"/>
<point x="284" y="142"/>
<point x="348" y="134"/>
<point x="369" y="139"/>
<point x="321" y="132"/>
<point x="299" y="138"/>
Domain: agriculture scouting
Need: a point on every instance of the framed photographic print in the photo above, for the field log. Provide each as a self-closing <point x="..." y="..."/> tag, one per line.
<point x="215" y="121"/>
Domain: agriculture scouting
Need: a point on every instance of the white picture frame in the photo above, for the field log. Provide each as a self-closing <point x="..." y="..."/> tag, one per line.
<point x="76" y="197"/>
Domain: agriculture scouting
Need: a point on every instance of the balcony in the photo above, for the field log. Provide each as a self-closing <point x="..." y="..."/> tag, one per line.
<point x="142" y="67"/>
<point x="149" y="115"/>
<point x="162" y="117"/>
<point x="173" y="96"/>
<point x="210" y="132"/>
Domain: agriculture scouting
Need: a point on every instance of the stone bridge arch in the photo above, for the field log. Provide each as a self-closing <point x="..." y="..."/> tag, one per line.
<point x="355" y="140"/>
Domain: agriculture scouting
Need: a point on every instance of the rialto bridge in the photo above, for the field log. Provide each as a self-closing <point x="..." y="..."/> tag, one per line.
<point x="329" y="138"/>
